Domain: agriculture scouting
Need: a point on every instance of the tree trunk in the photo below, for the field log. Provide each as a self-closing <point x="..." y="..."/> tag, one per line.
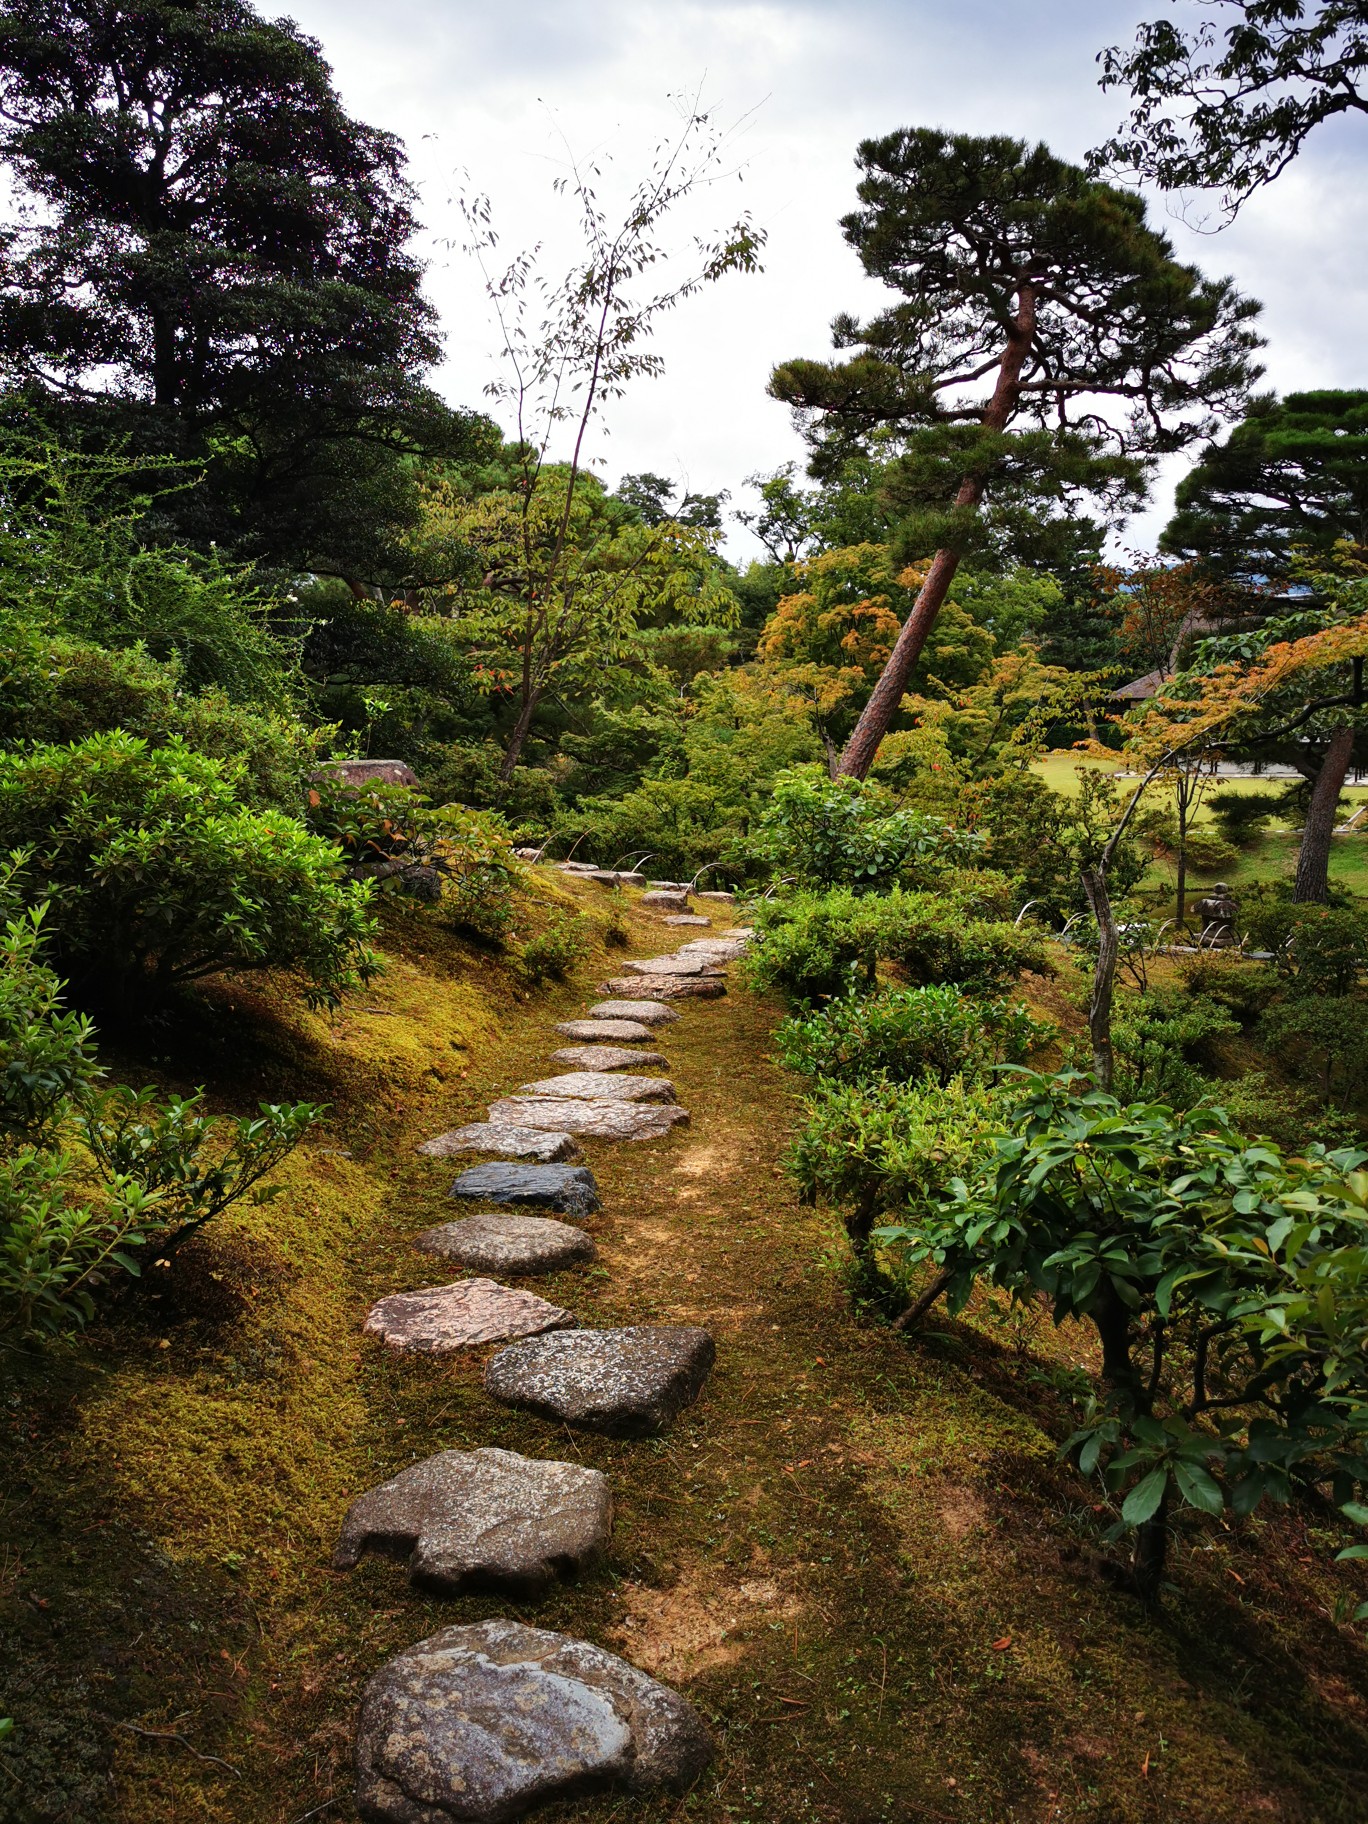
<point x="1104" y="976"/>
<point x="1151" y="1552"/>
<point x="1313" y="858"/>
<point x="519" y="736"/>
<point x="881" y="708"/>
<point x="1182" y="852"/>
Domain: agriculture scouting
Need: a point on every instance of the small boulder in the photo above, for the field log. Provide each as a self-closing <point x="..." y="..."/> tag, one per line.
<point x="569" y="1189"/>
<point x="578" y="867"/>
<point x="602" y="1086"/>
<point x="648" y="1013"/>
<point x="439" y="1319"/>
<point x="666" y="901"/>
<point x="725" y="899"/>
<point x="511" y="1142"/>
<point x="509" y="1244"/>
<point x="669" y="987"/>
<point x="354" y="774"/>
<point x="593" y="1120"/>
<point x="482" y="1723"/>
<point x="669" y="886"/>
<point x="623" y="1031"/>
<point x="481" y="1518"/>
<point x="605" y="1057"/>
<point x="628" y="1383"/>
<point x="685" y="918"/>
<point x="528" y="854"/>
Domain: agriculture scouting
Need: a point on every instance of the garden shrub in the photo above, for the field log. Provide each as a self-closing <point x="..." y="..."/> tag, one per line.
<point x="1241" y="817"/>
<point x="907" y="1035"/>
<point x="1328" y="1035"/>
<point x="822" y="832"/>
<point x="1324" y="949"/>
<point x="157" y="874"/>
<point x="553" y="953"/>
<point x="1160" y="1038"/>
<point x="1243" y="988"/>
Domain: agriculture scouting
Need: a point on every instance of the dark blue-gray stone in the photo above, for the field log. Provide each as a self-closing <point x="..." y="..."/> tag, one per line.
<point x="568" y="1188"/>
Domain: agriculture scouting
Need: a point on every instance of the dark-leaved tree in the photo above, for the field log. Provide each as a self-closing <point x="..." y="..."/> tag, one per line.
<point x="209" y="257"/>
<point x="1018" y="272"/>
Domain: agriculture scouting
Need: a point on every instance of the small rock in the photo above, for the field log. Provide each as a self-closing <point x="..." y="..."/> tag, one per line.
<point x="627" y="878"/>
<point x="726" y="899"/>
<point x="621" y="1030"/>
<point x="605" y="1057"/>
<point x="570" y="1189"/>
<point x="669" y="987"/>
<point x="578" y="867"/>
<point x="647" y="1013"/>
<point x="666" y="901"/>
<point x="594" y="1120"/>
<point x="357" y="773"/>
<point x="509" y="1244"/>
<point x="628" y="1383"/>
<point x="685" y="918"/>
<point x="511" y="1142"/>
<point x="481" y="1723"/>
<point x="439" y="1319"/>
<point x="467" y="1519"/>
<point x="528" y="854"/>
<point x="604" y="876"/>
<point x="676" y="964"/>
<point x="602" y="1086"/>
<point x="669" y="886"/>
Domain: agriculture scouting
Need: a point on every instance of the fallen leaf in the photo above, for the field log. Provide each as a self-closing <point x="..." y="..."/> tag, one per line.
<point x="1001" y="1646"/>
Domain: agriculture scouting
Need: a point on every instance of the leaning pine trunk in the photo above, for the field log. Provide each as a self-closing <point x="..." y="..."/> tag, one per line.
<point x="1313" y="859"/>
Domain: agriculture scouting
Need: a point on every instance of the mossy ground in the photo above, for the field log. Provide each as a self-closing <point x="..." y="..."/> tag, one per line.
<point x="860" y="1555"/>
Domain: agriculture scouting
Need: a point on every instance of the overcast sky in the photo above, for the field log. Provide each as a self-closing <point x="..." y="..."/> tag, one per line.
<point x="497" y="91"/>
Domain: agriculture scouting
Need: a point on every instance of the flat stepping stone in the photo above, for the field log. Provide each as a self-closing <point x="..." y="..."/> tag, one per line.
<point x="621" y="1030"/>
<point x="481" y="1518"/>
<point x="666" y="900"/>
<point x="604" y="1057"/>
<point x="439" y="1319"/>
<point x="482" y="1723"/>
<point x="511" y="1142"/>
<point x="648" y="1013"/>
<point x="726" y="899"/>
<point x="628" y="1383"/>
<point x="592" y="1120"/>
<point x="509" y="1244"/>
<point x="669" y="886"/>
<point x="670" y="987"/>
<point x="570" y="1189"/>
<point x="675" y="964"/>
<point x="686" y="918"/>
<point x="602" y="1086"/>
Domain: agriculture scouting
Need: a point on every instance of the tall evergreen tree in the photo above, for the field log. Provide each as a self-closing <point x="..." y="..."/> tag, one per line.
<point x="1102" y="349"/>
<point x="210" y="257"/>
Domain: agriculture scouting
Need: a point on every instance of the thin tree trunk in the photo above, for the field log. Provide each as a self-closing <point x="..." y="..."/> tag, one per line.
<point x="1104" y="976"/>
<point x="881" y="708"/>
<point x="1151" y="1552"/>
<point x="1313" y="858"/>
<point x="520" y="732"/>
<point x="1182" y="852"/>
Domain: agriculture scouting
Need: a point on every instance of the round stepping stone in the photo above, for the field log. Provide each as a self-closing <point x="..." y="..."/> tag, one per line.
<point x="685" y="918"/>
<point x="511" y="1142"/>
<point x="648" y="1013"/>
<point x="602" y="1086"/>
<point x="622" y="1030"/>
<point x="482" y="1723"/>
<point x="509" y="1244"/>
<point x="477" y="1518"/>
<point x="604" y="1057"/>
<point x="628" y="1383"/>
<point x="670" y="987"/>
<point x="594" y="1120"/>
<point x="570" y="1189"/>
<point x="666" y="901"/>
<point x="438" y="1319"/>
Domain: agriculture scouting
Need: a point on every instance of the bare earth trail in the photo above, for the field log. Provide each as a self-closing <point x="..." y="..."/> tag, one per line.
<point x="858" y="1557"/>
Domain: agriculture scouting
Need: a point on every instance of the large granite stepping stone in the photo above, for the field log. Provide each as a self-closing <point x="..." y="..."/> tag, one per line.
<point x="628" y="1383"/>
<point x="649" y="1013"/>
<point x="482" y="1723"/>
<point x="602" y="1086"/>
<point x="685" y="918"/>
<point x="512" y="1142"/>
<point x="669" y="987"/>
<point x="604" y="1057"/>
<point x="666" y="901"/>
<point x="506" y="1243"/>
<point x="477" y="1518"/>
<point x="592" y="1120"/>
<point x="677" y="964"/>
<point x="726" y="899"/>
<point x="570" y="1189"/>
<point x="624" y="1031"/>
<point x="438" y="1319"/>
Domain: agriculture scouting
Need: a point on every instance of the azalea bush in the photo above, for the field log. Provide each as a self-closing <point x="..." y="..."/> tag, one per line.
<point x="822" y="832"/>
<point x="908" y="1035"/>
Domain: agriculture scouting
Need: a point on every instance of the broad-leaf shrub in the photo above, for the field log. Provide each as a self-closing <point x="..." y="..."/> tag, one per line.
<point x="157" y="875"/>
<point x="907" y="1035"/>
<point x="1227" y="1284"/>
<point x="1327" y="1034"/>
<point x="553" y="953"/>
<point x="1323" y="949"/>
<point x="1161" y="1039"/>
<point x="822" y="832"/>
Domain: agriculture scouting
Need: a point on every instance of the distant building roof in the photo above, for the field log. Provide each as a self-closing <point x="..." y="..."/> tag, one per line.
<point x="1139" y="690"/>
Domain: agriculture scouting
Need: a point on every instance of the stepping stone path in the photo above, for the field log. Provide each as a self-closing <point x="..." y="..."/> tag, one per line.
<point x="604" y="1057"/>
<point x="628" y="1383"/>
<point x="509" y="1244"/>
<point x="442" y="1318"/>
<point x="568" y="1188"/>
<point x="482" y="1723"/>
<point x="482" y="1517"/>
<point x="512" y="1142"/>
<point x="603" y="1086"/>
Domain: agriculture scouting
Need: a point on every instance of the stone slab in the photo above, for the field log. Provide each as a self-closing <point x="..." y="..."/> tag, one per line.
<point x="511" y="1142"/>
<point x="669" y="987"/>
<point x="605" y="1057"/>
<point x="666" y="902"/>
<point x="685" y="918"/>
<point x="628" y="1383"/>
<point x="480" y="1724"/>
<point x="647" y="1013"/>
<point x="623" y="1031"/>
<point x="568" y="1189"/>
<point x="440" y="1319"/>
<point x="482" y="1519"/>
<point x="726" y="899"/>
<point x="592" y="1120"/>
<point x="507" y="1243"/>
<point x="669" y="886"/>
<point x="602" y="1086"/>
<point x="675" y="964"/>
